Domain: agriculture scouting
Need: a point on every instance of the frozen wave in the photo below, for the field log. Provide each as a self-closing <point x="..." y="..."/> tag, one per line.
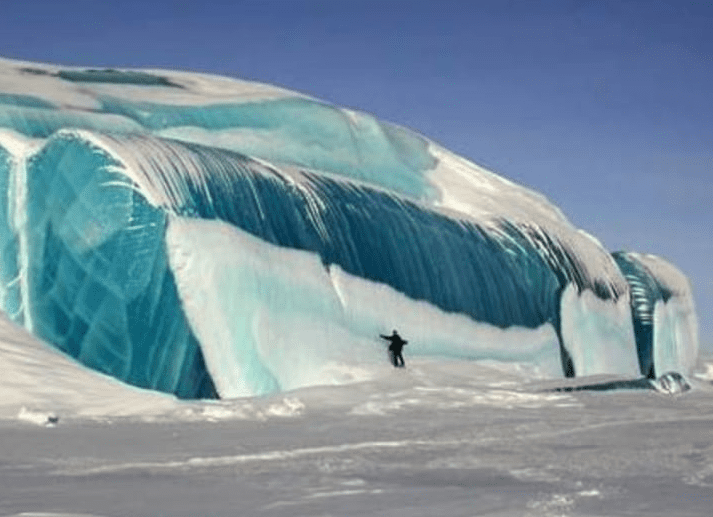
<point x="266" y="243"/>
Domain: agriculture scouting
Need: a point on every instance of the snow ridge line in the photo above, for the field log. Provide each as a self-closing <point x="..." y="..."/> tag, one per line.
<point x="276" y="455"/>
<point x="281" y="455"/>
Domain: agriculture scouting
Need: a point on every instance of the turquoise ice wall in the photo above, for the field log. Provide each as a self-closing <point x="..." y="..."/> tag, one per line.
<point x="10" y="295"/>
<point x="99" y="287"/>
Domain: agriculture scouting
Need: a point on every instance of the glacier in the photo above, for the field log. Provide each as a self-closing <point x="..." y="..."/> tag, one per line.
<point x="210" y="237"/>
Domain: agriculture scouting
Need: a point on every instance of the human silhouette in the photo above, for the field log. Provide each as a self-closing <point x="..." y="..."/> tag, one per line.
<point x="397" y="343"/>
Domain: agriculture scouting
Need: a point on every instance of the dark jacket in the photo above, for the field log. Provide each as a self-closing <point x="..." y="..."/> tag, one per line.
<point x="397" y="343"/>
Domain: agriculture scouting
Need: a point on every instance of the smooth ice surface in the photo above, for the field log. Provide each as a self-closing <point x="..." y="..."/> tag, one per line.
<point x="598" y="334"/>
<point x="298" y="132"/>
<point x="342" y="214"/>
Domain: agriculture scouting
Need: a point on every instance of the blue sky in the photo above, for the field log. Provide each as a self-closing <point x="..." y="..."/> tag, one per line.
<point x="604" y="107"/>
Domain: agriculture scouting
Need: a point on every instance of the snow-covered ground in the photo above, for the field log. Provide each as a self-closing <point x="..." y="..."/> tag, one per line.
<point x="438" y="438"/>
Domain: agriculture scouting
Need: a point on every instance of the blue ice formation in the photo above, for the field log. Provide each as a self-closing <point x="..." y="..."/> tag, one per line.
<point x="208" y="237"/>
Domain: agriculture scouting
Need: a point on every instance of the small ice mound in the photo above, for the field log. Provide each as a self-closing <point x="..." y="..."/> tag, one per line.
<point x="41" y="418"/>
<point x="288" y="407"/>
<point x="671" y="383"/>
<point x="217" y="412"/>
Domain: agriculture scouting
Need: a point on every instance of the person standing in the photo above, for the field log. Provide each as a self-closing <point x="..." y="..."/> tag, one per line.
<point x="395" y="347"/>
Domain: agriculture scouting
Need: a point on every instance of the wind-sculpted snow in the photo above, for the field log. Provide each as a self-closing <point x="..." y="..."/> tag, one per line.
<point x="214" y="244"/>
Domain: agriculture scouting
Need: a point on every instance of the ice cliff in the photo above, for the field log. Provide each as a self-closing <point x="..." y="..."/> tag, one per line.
<point x="205" y="236"/>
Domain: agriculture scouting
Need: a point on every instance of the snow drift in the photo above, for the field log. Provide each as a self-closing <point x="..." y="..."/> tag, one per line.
<point x="211" y="237"/>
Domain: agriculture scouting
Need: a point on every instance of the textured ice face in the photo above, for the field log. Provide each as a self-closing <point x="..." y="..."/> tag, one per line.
<point x="236" y="239"/>
<point x="97" y="281"/>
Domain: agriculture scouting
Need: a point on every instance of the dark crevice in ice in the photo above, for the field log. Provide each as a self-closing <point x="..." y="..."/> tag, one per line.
<point x="109" y="75"/>
<point x="670" y="383"/>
